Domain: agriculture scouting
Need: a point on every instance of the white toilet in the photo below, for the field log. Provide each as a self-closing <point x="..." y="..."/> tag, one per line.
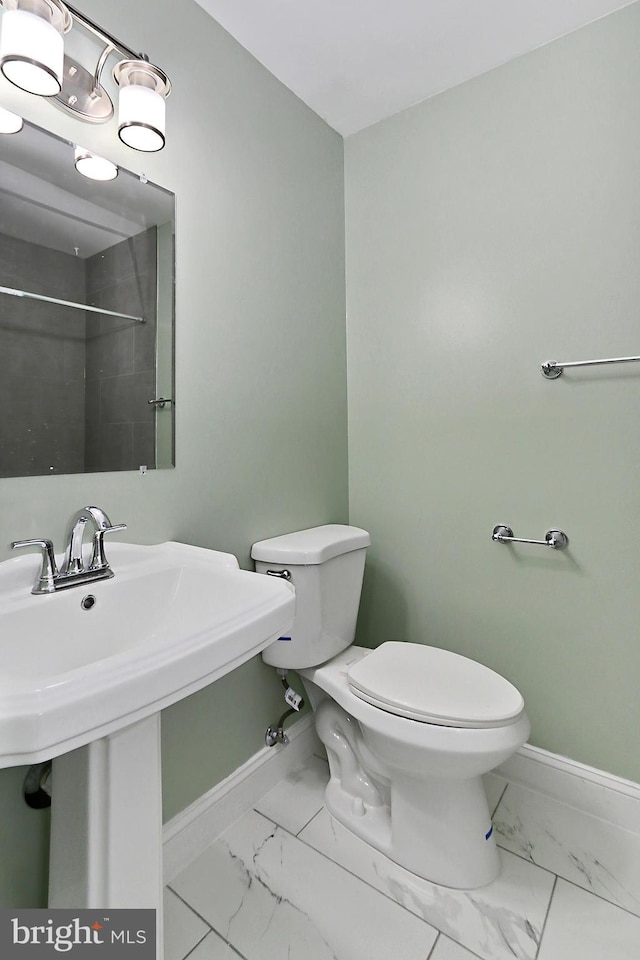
<point x="409" y="729"/>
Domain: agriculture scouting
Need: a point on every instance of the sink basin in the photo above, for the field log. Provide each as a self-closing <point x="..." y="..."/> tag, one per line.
<point x="173" y="619"/>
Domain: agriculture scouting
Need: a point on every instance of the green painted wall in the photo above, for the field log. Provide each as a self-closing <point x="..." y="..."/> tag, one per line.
<point x="261" y="369"/>
<point x="489" y="229"/>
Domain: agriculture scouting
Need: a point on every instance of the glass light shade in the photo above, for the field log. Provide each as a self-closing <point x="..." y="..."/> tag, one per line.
<point x="10" y="122"/>
<point x="141" y="118"/>
<point x="31" y="53"/>
<point x="94" y="167"/>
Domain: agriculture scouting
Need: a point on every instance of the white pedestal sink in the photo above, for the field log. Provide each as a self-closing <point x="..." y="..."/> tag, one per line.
<point x="86" y="687"/>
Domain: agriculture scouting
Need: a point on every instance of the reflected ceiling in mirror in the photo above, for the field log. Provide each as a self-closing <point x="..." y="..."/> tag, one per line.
<point x="86" y="314"/>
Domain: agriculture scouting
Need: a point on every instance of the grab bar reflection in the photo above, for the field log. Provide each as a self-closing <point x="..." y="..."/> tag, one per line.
<point x="556" y="539"/>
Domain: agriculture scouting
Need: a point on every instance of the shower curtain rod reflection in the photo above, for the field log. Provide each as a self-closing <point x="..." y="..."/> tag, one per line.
<point x="12" y="292"/>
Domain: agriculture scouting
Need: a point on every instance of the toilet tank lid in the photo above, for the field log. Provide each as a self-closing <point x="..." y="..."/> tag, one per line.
<point x="314" y="545"/>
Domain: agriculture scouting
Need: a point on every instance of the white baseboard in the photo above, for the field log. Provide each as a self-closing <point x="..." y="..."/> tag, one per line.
<point x="591" y="791"/>
<point x="187" y="834"/>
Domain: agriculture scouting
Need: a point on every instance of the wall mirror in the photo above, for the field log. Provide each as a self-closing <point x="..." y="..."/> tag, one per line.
<point x="86" y="314"/>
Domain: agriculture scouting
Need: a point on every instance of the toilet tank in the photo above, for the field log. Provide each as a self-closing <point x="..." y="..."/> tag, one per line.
<point x="326" y="566"/>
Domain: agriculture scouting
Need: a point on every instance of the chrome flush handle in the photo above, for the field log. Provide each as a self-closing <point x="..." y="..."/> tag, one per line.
<point x="283" y="574"/>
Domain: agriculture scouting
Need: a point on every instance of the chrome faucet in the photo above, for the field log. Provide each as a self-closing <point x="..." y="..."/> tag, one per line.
<point x="73" y="570"/>
<point x="73" y="563"/>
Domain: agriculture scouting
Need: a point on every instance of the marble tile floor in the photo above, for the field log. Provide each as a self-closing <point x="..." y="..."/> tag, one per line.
<point x="286" y="881"/>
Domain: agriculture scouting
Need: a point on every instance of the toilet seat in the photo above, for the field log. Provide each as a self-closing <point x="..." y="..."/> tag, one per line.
<point x="434" y="686"/>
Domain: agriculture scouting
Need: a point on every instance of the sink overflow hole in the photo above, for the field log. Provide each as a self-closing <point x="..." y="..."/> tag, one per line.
<point x="88" y="602"/>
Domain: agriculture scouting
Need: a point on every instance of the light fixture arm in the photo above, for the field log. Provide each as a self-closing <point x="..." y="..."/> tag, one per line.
<point x="104" y="56"/>
<point x="111" y="43"/>
<point x="102" y="34"/>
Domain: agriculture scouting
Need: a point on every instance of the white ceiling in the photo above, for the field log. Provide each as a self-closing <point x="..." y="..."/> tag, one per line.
<point x="355" y="62"/>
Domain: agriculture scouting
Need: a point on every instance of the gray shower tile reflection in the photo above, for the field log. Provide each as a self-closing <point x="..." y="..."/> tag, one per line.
<point x="61" y="367"/>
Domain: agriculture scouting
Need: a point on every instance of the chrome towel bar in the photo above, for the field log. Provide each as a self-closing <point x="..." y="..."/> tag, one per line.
<point x="552" y="369"/>
<point x="556" y="539"/>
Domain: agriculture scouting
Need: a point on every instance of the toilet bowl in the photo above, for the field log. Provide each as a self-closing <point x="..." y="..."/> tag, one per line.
<point x="412" y="788"/>
<point x="409" y="729"/>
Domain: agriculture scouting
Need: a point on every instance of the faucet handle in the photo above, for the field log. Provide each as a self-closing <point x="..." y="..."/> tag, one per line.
<point x="98" y="558"/>
<point x="48" y="572"/>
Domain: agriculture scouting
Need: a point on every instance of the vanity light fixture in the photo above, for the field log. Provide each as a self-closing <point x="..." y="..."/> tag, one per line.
<point x="32" y="57"/>
<point x="141" y="104"/>
<point x="94" y="167"/>
<point x="10" y="122"/>
<point x="31" y="44"/>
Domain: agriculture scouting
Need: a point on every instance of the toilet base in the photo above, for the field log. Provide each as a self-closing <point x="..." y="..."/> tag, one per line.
<point x="436" y="828"/>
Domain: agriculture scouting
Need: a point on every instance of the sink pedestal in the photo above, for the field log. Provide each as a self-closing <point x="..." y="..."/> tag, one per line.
<point x="106" y="823"/>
